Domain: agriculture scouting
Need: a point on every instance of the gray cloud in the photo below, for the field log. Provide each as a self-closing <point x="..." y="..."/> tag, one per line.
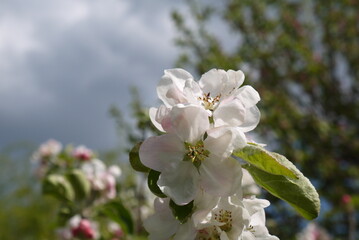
<point x="63" y="63"/>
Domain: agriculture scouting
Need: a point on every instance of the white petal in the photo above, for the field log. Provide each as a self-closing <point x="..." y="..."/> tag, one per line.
<point x="162" y="152"/>
<point x="222" y="141"/>
<point x="193" y="92"/>
<point x="115" y="170"/>
<point x="93" y="168"/>
<point x="224" y="236"/>
<point x="212" y="81"/>
<point x="254" y="205"/>
<point x="230" y="112"/>
<point x="170" y="87"/>
<point x="259" y="219"/>
<point x="204" y="203"/>
<point x="248" y="95"/>
<point x="180" y="183"/>
<point x="153" y="113"/>
<point x="218" y="141"/>
<point x="233" y="81"/>
<point x="218" y="82"/>
<point x="260" y="231"/>
<point x="186" y="231"/>
<point x="251" y="120"/>
<point x="221" y="177"/>
<point x="160" y="116"/>
<point x="247" y="235"/>
<point x="189" y="122"/>
<point x="161" y="225"/>
<point x="236" y="77"/>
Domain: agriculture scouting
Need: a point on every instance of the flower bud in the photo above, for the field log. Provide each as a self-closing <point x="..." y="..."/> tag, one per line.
<point x="83" y="153"/>
<point x="84" y="230"/>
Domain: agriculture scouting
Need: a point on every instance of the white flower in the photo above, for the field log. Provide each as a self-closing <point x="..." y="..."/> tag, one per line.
<point x="256" y="229"/>
<point x="217" y="91"/>
<point x="222" y="218"/>
<point x="101" y="178"/>
<point x="115" y="170"/>
<point x="223" y="221"/>
<point x="95" y="170"/>
<point x="48" y="149"/>
<point x="187" y="160"/>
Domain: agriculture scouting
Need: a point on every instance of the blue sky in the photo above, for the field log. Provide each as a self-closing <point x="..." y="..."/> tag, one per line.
<point x="64" y="62"/>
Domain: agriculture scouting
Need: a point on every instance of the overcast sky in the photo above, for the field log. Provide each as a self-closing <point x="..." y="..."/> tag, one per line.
<point x="64" y="62"/>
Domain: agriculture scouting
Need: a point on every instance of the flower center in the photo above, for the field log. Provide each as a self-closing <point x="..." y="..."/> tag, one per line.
<point x="224" y="216"/>
<point x="195" y="153"/>
<point x="208" y="102"/>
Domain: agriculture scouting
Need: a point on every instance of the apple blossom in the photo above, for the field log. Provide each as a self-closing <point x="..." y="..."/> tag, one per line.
<point x="224" y="221"/>
<point x="204" y="124"/>
<point x="193" y="154"/>
<point x="48" y="149"/>
<point x="217" y="91"/>
<point x="256" y="229"/>
<point x="230" y="218"/>
<point x="102" y="179"/>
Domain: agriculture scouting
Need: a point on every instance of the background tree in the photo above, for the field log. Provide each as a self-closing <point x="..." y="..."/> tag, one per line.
<point x="303" y="58"/>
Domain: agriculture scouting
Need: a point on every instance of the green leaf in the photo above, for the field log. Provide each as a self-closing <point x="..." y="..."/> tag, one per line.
<point x="58" y="186"/>
<point x="299" y="192"/>
<point x="118" y="213"/>
<point x="181" y="213"/>
<point x="80" y="183"/>
<point x="270" y="162"/>
<point x="135" y="159"/>
<point x="152" y="183"/>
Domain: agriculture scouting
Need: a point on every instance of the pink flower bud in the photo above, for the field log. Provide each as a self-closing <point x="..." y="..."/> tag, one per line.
<point x="84" y="230"/>
<point x="83" y="153"/>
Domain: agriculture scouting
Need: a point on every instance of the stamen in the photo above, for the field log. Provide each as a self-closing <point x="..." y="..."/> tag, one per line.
<point x="224" y="216"/>
<point x="208" y="102"/>
<point x="196" y="153"/>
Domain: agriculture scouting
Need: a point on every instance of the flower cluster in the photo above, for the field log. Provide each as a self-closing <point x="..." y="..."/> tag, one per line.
<point x="85" y="186"/>
<point x="199" y="182"/>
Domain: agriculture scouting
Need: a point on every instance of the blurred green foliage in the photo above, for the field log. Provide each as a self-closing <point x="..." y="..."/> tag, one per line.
<point x="24" y="212"/>
<point x="303" y="58"/>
